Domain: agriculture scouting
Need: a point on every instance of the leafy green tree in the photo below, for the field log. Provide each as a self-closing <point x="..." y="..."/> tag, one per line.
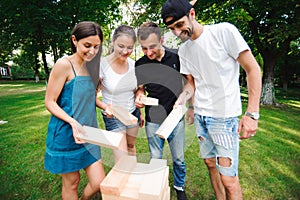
<point x="47" y="24"/>
<point x="27" y="64"/>
<point x="145" y="10"/>
<point x="8" y="40"/>
<point x="268" y="26"/>
<point x="287" y="68"/>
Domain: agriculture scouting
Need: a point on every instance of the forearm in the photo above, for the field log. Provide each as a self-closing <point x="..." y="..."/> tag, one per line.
<point x="58" y="112"/>
<point x="191" y="102"/>
<point x="254" y="91"/>
<point x="187" y="92"/>
<point x="252" y="69"/>
<point x="189" y="89"/>
<point x="100" y="104"/>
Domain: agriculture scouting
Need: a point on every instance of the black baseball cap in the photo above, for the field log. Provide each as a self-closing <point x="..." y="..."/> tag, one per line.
<point x="176" y="9"/>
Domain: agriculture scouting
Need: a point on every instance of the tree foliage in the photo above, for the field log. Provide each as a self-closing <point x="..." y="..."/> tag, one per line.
<point x="44" y="26"/>
<point x="270" y="27"/>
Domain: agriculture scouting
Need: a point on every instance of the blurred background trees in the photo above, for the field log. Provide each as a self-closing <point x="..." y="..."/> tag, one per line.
<point x="33" y="30"/>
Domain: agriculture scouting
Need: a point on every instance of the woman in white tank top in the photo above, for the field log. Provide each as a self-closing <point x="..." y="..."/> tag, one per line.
<point x="118" y="85"/>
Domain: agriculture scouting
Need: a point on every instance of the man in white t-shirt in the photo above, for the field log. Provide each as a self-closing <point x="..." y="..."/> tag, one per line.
<point x="210" y="58"/>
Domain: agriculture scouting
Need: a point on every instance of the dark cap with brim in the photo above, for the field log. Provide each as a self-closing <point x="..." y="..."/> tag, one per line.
<point x="175" y="9"/>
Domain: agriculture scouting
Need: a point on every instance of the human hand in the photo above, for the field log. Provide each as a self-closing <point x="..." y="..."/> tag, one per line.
<point x="77" y="129"/>
<point x="142" y="122"/>
<point x="108" y="111"/>
<point x="190" y="116"/>
<point x="138" y="101"/>
<point x="248" y="126"/>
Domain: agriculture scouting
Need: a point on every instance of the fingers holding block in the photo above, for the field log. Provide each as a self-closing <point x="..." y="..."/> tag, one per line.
<point x="149" y="101"/>
<point x="171" y="122"/>
<point x="101" y="137"/>
<point x="123" y="115"/>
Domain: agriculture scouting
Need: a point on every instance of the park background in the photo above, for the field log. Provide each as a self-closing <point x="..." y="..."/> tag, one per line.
<point x="35" y="34"/>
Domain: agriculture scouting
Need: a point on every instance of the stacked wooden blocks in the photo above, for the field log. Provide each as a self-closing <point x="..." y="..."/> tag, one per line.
<point x="129" y="180"/>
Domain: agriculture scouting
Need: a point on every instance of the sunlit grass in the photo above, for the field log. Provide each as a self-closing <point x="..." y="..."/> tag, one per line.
<point x="269" y="162"/>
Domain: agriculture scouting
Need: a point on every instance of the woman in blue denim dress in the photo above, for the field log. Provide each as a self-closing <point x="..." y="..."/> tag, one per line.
<point x="71" y="99"/>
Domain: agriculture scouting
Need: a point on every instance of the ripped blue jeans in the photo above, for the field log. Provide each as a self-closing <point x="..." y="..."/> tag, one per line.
<point x="218" y="137"/>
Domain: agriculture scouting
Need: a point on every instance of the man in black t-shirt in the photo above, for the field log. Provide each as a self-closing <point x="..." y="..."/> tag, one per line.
<point x="158" y="76"/>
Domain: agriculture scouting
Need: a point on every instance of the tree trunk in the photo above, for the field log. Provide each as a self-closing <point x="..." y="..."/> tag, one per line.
<point x="45" y="64"/>
<point x="55" y="53"/>
<point x="268" y="94"/>
<point x="37" y="78"/>
<point x="268" y="90"/>
<point x="243" y="78"/>
<point x="36" y="68"/>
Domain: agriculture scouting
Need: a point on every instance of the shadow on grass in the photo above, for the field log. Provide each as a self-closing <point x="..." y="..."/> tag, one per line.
<point x="269" y="162"/>
<point x="271" y="159"/>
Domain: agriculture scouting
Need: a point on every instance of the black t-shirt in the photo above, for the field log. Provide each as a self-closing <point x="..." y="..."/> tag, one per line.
<point x="161" y="80"/>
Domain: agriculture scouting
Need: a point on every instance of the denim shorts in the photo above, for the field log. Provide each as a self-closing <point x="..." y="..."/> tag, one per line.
<point x="218" y="137"/>
<point x="113" y="124"/>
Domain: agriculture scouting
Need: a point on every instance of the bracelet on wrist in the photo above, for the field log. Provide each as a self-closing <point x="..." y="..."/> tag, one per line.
<point x="191" y="107"/>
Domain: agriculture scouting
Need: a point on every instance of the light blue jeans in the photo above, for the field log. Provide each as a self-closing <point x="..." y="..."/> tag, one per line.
<point x="176" y="142"/>
<point x="218" y="137"/>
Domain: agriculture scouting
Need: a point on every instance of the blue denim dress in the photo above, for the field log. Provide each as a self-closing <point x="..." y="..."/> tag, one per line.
<point x="63" y="155"/>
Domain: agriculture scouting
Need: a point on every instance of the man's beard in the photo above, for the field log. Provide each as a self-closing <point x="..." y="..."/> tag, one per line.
<point x="186" y="34"/>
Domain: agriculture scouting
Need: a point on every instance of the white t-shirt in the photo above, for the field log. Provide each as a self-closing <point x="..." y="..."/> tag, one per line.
<point x="211" y="60"/>
<point x="118" y="88"/>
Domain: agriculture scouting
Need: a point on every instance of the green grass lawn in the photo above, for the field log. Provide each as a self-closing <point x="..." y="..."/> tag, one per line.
<point x="269" y="162"/>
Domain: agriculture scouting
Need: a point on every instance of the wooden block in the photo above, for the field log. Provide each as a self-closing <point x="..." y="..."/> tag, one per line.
<point x="165" y="183"/>
<point x="171" y="122"/>
<point x="116" y="179"/>
<point x="101" y="137"/>
<point x="141" y="168"/>
<point x="166" y="195"/>
<point x="131" y="190"/>
<point x="144" y="181"/>
<point x="123" y="115"/>
<point x="157" y="163"/>
<point x="129" y="193"/>
<point x="150" y="101"/>
<point x="109" y="197"/>
<point x="152" y="187"/>
<point x="165" y="186"/>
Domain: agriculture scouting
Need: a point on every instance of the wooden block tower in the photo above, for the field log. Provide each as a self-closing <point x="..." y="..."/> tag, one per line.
<point x="129" y="180"/>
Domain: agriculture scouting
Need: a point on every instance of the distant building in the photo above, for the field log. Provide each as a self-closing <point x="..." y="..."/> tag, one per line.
<point x="5" y="72"/>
